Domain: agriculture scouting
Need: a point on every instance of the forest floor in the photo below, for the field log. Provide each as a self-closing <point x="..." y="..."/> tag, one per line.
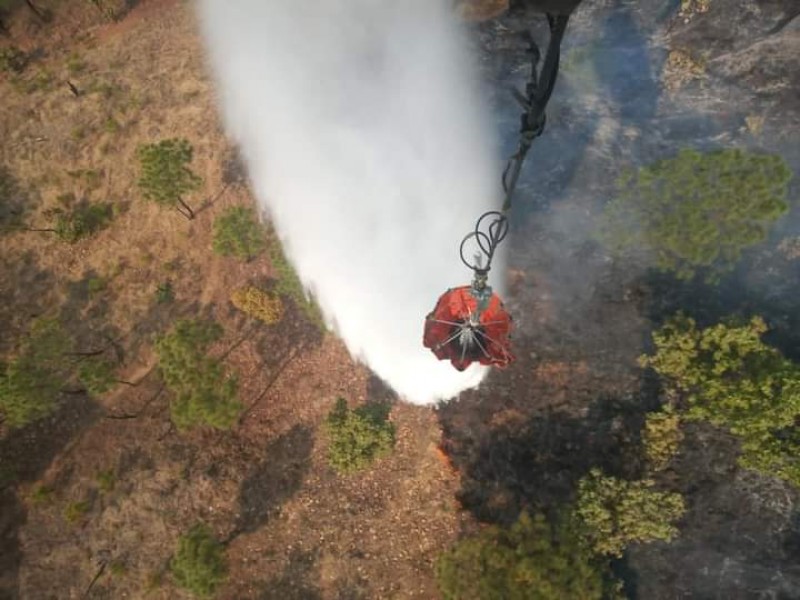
<point x="293" y="528"/>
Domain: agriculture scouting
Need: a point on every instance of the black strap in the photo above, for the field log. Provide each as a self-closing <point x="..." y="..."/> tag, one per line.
<point x="537" y="94"/>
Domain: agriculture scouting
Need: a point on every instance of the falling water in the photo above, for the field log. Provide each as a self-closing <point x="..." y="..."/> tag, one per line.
<point x="368" y="147"/>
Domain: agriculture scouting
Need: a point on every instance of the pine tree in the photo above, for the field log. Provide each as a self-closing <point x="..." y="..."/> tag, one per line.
<point x="165" y="177"/>
<point x="237" y="233"/>
<point x="697" y="210"/>
<point x="33" y="380"/>
<point x="202" y="393"/>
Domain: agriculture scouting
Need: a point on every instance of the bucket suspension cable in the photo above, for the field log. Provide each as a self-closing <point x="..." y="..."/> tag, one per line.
<point x="491" y="227"/>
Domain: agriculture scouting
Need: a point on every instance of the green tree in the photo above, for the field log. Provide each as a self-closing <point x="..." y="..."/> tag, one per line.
<point x="202" y="393"/>
<point x="165" y="177"/>
<point x="73" y="221"/>
<point x="726" y="375"/>
<point x="697" y="210"/>
<point x="358" y="437"/>
<point x="97" y="376"/>
<point x="616" y="512"/>
<point x="662" y="438"/>
<point x="199" y="565"/>
<point x="33" y="380"/>
<point x="531" y="560"/>
<point x="238" y="233"/>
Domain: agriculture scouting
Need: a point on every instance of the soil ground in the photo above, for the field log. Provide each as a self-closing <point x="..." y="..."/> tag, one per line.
<point x="574" y="399"/>
<point x="293" y="527"/>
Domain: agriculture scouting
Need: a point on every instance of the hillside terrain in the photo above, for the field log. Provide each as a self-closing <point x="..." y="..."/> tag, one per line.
<point x="101" y="485"/>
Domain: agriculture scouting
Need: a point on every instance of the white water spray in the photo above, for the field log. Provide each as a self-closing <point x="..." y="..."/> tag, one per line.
<point x="368" y="146"/>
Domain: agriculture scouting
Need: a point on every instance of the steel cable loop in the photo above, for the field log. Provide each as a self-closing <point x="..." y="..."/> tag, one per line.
<point x="538" y="91"/>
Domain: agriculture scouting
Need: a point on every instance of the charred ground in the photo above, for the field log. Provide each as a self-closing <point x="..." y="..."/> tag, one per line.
<point x="574" y="400"/>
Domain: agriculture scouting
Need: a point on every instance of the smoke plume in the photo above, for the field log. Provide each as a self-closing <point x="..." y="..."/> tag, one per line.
<point x="369" y="148"/>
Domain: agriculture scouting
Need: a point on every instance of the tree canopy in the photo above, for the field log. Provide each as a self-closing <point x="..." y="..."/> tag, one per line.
<point x="202" y="393"/>
<point x="697" y="210"/>
<point x="727" y="375"/>
<point x="238" y="233"/>
<point x="43" y="367"/>
<point x="616" y="512"/>
<point x="531" y="560"/>
<point x="359" y="436"/>
<point x="165" y="177"/>
<point x="32" y="381"/>
<point x="199" y="564"/>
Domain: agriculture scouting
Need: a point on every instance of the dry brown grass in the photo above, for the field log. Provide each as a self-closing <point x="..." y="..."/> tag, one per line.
<point x="681" y="68"/>
<point x="141" y="80"/>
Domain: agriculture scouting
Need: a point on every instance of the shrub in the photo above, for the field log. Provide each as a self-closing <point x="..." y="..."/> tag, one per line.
<point x="75" y="64"/>
<point x="75" y="511"/>
<point x="202" y="393"/>
<point x="95" y="285"/>
<point x="258" y="304"/>
<point x="616" y="512"/>
<point x="681" y="67"/>
<point x="40" y="81"/>
<point x="697" y="210"/>
<point x="199" y="565"/>
<point x="358" y="437"/>
<point x="91" y="179"/>
<point x="12" y="60"/>
<point x="97" y="376"/>
<point x="165" y="177"/>
<point x="662" y="437"/>
<point x="237" y="233"/>
<point x="112" y="126"/>
<point x="165" y="294"/>
<point x="532" y="560"/>
<point x="727" y="376"/>
<point x="32" y="381"/>
<point x="106" y="480"/>
<point x="690" y="8"/>
<point x="74" y="221"/>
<point x="41" y="495"/>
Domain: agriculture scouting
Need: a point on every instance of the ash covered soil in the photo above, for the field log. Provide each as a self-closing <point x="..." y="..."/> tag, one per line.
<point x="574" y="399"/>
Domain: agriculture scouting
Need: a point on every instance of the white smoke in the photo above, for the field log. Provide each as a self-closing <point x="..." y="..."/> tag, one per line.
<point x="368" y="146"/>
